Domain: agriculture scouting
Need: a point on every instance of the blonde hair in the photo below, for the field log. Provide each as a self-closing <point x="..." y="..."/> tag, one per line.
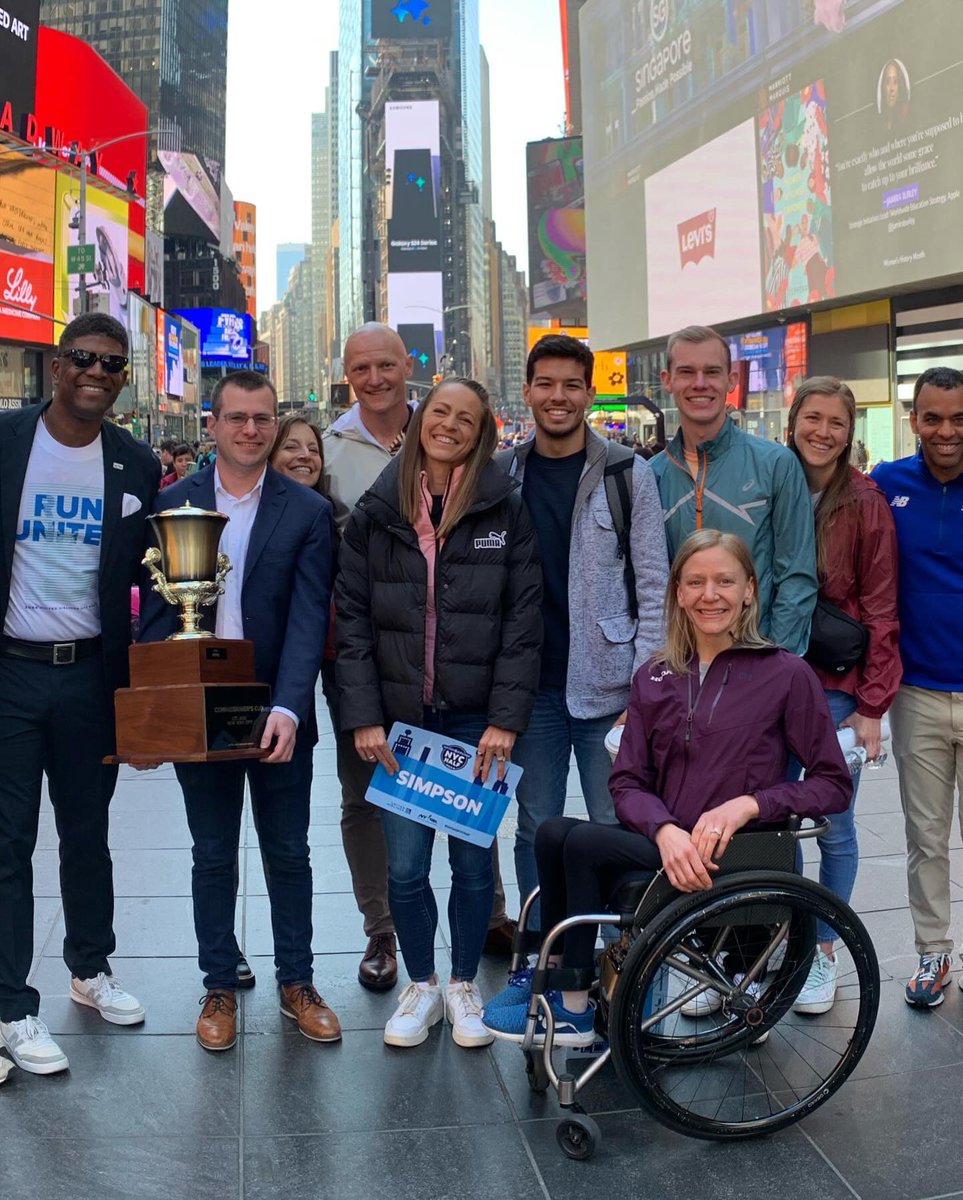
<point x="412" y="459"/>
<point x="680" y="643"/>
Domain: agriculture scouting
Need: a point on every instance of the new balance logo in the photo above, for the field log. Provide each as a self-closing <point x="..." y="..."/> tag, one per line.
<point x="494" y="541"/>
<point x="899" y="502"/>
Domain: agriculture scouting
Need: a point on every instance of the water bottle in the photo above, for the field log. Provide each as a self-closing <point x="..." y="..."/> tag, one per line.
<point x="854" y="755"/>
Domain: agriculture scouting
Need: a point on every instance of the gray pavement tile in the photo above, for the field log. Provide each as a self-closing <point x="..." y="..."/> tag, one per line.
<point x="152" y="872"/>
<point x="424" y="1164"/>
<point x="892" y="934"/>
<point x="638" y="1159"/>
<point x="877" y="795"/>
<point x="162" y="926"/>
<point x="46" y="873"/>
<point x="112" y="1168"/>
<point x="149" y="829"/>
<point x="168" y="988"/>
<point x="896" y="1137"/>
<point x="889" y="830"/>
<point x="294" y="1086"/>
<point x="48" y="932"/>
<point x="329" y="869"/>
<point x="140" y="1086"/>
<point x="905" y="1036"/>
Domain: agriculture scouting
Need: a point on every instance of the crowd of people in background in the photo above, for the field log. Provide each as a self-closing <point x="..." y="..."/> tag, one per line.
<point x="522" y="600"/>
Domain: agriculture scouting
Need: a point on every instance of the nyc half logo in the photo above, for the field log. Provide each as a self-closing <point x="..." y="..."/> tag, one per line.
<point x="697" y="237"/>
<point x="434" y="785"/>
<point x="416" y="11"/>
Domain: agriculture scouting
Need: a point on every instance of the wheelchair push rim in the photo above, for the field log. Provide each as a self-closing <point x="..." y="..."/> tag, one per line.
<point x="706" y="1076"/>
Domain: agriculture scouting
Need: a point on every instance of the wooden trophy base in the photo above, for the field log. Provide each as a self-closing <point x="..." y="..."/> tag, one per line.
<point x="190" y="701"/>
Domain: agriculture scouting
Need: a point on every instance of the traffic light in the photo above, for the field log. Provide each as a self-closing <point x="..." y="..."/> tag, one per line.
<point x="312" y="396"/>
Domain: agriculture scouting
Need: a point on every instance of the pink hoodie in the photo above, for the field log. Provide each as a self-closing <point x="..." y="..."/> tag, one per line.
<point x="430" y="545"/>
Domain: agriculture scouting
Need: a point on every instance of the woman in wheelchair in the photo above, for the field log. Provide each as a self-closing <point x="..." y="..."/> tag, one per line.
<point x="712" y="720"/>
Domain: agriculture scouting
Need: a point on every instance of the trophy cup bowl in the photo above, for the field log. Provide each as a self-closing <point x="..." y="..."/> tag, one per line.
<point x="185" y="565"/>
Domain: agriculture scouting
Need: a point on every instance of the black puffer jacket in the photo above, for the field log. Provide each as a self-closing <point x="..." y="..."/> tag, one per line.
<point x="488" y="598"/>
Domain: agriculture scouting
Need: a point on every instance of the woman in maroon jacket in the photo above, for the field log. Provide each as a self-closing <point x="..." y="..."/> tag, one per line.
<point x="856" y="562"/>
<point x="711" y="723"/>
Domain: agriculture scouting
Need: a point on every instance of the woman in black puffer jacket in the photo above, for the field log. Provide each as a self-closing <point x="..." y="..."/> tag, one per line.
<point x="438" y="604"/>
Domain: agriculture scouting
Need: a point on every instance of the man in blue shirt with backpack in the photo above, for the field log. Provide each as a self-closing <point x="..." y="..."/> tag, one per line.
<point x="601" y="540"/>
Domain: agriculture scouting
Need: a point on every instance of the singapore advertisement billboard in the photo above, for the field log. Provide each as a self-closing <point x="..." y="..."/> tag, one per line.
<point x="739" y="163"/>
<point x="556" y="229"/>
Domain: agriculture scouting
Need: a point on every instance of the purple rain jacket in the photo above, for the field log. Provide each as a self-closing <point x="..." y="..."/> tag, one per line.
<point x="687" y="748"/>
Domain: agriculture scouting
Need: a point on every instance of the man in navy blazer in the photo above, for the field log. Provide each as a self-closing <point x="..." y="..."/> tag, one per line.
<point x="75" y="490"/>
<point x="279" y="540"/>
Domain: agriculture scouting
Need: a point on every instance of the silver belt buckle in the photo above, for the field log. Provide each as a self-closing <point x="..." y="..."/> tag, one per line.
<point x="64" y="653"/>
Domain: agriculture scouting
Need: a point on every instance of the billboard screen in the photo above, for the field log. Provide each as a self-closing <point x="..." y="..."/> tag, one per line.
<point x="18" y="52"/>
<point x="225" y="335"/>
<point x="413" y="185"/>
<point x="402" y="20"/>
<point x="27" y="193"/>
<point x="107" y="232"/>
<point x="744" y="159"/>
<point x="173" y="356"/>
<point x="192" y="200"/>
<point x="556" y="229"/>
<point x="245" y="251"/>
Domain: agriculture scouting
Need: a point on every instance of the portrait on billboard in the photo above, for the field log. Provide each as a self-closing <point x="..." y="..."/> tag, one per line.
<point x="107" y="233"/>
<point x="27" y="196"/>
<point x="893" y="94"/>
<point x="796" y="202"/>
<point x="402" y="20"/>
<point x="556" y="228"/>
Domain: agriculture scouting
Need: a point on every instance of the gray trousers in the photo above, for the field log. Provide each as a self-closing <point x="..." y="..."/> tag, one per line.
<point x="928" y="747"/>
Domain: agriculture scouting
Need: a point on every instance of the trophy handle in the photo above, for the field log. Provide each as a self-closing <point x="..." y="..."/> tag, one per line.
<point x="151" y="560"/>
<point x="216" y="588"/>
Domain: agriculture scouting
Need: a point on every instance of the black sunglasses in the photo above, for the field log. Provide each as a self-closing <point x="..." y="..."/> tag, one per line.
<point x="113" y="363"/>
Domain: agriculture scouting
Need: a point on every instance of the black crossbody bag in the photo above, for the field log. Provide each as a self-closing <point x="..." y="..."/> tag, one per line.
<point x="837" y="641"/>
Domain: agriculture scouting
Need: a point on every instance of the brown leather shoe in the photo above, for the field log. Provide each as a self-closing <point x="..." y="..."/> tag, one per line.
<point x="498" y="940"/>
<point x="379" y="967"/>
<point x="217" y="1024"/>
<point x="301" y="1002"/>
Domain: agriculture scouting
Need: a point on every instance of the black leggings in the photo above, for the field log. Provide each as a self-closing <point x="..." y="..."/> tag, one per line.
<point x="579" y="864"/>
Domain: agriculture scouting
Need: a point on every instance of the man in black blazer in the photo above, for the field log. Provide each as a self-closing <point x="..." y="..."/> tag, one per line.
<point x="279" y="540"/>
<point x="75" y="491"/>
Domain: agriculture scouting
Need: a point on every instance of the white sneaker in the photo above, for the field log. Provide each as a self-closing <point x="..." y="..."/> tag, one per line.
<point x="419" y="1007"/>
<point x="6" y="1066"/>
<point x="463" y="1008"/>
<point x="104" y="993"/>
<point x="818" y="993"/>
<point x="710" y="1001"/>
<point x="31" y="1046"/>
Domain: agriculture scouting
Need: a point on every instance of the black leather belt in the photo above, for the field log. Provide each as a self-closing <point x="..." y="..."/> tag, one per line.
<point x="59" y="654"/>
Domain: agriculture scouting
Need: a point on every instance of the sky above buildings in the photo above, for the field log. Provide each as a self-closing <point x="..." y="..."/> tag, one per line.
<point x="277" y="70"/>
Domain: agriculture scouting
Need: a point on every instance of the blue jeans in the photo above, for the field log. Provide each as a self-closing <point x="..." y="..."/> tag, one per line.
<point x="410" y="898"/>
<point x="281" y="800"/>
<point x="543" y="752"/>
<point x="839" y="848"/>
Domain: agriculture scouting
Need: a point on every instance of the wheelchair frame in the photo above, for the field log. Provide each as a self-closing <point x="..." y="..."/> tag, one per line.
<point x="577" y="1133"/>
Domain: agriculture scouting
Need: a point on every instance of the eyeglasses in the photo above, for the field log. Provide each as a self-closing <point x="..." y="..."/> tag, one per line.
<point x="112" y="363"/>
<point x="238" y="420"/>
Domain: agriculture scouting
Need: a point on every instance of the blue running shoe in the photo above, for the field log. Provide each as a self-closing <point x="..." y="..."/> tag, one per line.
<point x="571" y="1029"/>
<point x="519" y="991"/>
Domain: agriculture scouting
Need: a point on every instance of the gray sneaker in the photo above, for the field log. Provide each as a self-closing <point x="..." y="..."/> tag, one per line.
<point x="31" y="1046"/>
<point x="105" y="994"/>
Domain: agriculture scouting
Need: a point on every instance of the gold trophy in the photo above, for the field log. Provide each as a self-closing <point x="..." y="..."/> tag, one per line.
<point x="191" y="571"/>
<point x="193" y="697"/>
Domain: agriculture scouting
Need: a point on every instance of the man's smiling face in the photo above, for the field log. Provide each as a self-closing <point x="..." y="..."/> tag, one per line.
<point x="87" y="393"/>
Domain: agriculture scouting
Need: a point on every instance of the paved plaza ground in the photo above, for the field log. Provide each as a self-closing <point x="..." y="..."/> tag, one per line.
<point x="146" y="1114"/>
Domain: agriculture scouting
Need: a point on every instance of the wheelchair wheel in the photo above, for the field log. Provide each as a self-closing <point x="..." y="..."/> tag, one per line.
<point x="578" y="1135"/>
<point x="708" y="1074"/>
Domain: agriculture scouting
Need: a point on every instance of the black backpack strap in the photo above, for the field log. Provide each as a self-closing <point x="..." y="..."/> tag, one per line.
<point x="619" y="462"/>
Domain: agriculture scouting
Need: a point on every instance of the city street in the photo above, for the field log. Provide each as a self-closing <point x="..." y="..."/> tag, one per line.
<point x="146" y="1114"/>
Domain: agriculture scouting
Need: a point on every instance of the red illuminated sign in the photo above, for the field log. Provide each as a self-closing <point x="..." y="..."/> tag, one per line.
<point x="697" y="237"/>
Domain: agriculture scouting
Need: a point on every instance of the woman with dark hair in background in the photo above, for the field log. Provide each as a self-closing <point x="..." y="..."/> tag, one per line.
<point x="439" y="625"/>
<point x="856" y="563"/>
<point x="297" y="451"/>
